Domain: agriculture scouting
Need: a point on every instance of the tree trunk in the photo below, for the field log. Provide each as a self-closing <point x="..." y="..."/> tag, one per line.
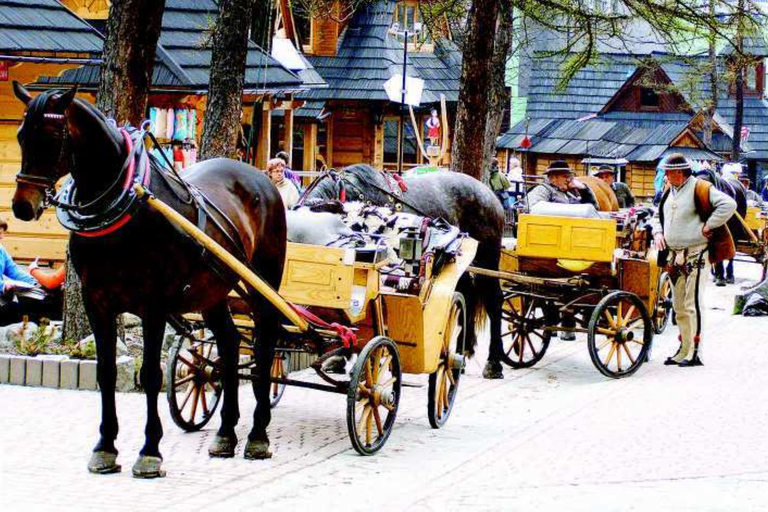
<point x="738" y="120"/>
<point x="709" y="122"/>
<point x="468" y="152"/>
<point x="498" y="95"/>
<point x="133" y="29"/>
<point x="225" y="90"/>
<point x="76" y="325"/>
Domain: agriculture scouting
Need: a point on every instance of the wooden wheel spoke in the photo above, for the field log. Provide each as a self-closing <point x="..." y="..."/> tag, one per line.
<point x="629" y="354"/>
<point x="384" y="365"/>
<point x="204" y="402"/>
<point x="607" y="332"/>
<point x="639" y="342"/>
<point x="186" y="397"/>
<point x="628" y="316"/>
<point x="451" y="378"/>
<point x="195" y="399"/>
<point x="183" y="380"/>
<point x="446" y="392"/>
<point x="530" y="344"/>
<point x="369" y="428"/>
<point x="361" y="426"/>
<point x="610" y="354"/>
<point x="633" y="324"/>
<point x="618" y="358"/>
<point x="362" y="403"/>
<point x="619" y="316"/>
<point x="361" y="389"/>
<point x="186" y="361"/>
<point x="375" y="362"/>
<point x="605" y="344"/>
<point x="440" y="384"/>
<point x="379" y="427"/>
<point x="368" y="373"/>
<point x="389" y="382"/>
<point x="608" y="317"/>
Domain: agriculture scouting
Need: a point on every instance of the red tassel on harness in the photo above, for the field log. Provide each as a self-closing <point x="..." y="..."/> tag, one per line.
<point x="400" y="182"/>
<point x="342" y="192"/>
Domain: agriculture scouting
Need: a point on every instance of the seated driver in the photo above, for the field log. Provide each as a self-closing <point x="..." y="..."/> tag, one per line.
<point x="624" y="195"/>
<point x="560" y="186"/>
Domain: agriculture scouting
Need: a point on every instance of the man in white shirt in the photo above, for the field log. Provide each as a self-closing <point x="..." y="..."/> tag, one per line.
<point x="288" y="191"/>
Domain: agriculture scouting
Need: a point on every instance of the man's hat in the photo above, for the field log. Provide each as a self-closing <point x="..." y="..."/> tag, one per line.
<point x="558" y="166"/>
<point x="605" y="168"/>
<point x="676" y="162"/>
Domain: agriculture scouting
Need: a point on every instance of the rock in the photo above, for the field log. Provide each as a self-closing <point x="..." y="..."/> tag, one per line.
<point x="122" y="348"/>
<point x="6" y="344"/>
<point x="126" y="374"/>
<point x="130" y="321"/>
<point x="168" y="340"/>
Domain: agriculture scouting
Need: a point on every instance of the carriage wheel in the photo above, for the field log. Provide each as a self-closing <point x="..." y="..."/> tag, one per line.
<point x="281" y="367"/>
<point x="444" y="382"/>
<point x="620" y="334"/>
<point x="526" y="340"/>
<point x="374" y="395"/>
<point x="193" y="382"/>
<point x="663" y="304"/>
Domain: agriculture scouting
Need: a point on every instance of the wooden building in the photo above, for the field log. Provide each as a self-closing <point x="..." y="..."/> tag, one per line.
<point x="619" y="112"/>
<point x="37" y="38"/>
<point x="352" y="120"/>
<point x="42" y="30"/>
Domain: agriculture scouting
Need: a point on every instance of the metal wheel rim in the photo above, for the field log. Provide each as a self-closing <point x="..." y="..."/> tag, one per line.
<point x="614" y="351"/>
<point x="661" y="320"/>
<point x="526" y="341"/>
<point x="194" y="383"/>
<point x="444" y="382"/>
<point x="377" y="372"/>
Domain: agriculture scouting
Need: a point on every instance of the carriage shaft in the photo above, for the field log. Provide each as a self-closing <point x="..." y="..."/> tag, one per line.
<point x="238" y="267"/>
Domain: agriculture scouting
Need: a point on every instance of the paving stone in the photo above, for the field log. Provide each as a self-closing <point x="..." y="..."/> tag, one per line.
<point x="18" y="370"/>
<point x="5" y="368"/>
<point x="34" y="372"/>
<point x="69" y="373"/>
<point x="87" y="375"/>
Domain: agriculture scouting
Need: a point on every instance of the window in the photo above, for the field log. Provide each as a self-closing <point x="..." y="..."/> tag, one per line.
<point x="391" y="143"/>
<point x="407" y="14"/>
<point x="297" y="158"/>
<point x="302" y="22"/>
<point x="649" y="99"/>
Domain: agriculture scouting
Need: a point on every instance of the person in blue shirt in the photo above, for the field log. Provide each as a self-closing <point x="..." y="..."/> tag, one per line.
<point x="765" y="190"/>
<point x="10" y="273"/>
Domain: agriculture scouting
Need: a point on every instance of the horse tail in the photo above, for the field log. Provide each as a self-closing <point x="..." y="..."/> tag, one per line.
<point x="475" y="312"/>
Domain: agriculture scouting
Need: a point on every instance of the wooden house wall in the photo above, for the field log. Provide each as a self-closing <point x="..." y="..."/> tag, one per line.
<point x="639" y="176"/>
<point x="44" y="238"/>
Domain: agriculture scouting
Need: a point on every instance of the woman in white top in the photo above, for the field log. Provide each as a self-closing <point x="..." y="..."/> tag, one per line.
<point x="288" y="191"/>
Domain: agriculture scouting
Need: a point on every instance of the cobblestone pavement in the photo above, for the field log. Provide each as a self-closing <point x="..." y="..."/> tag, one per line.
<point x="553" y="437"/>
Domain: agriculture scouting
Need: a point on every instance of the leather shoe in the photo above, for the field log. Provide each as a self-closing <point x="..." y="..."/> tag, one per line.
<point x="567" y="336"/>
<point x="730" y="280"/>
<point x="670" y="362"/>
<point x="719" y="281"/>
<point x="690" y="363"/>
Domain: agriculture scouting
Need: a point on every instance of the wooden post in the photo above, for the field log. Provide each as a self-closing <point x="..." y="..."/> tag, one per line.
<point x="265" y="136"/>
<point x="289" y="135"/>
<point x="329" y="142"/>
<point x="310" y="146"/>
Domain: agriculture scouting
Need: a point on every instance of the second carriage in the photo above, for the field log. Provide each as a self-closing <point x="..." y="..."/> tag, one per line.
<point x="590" y="276"/>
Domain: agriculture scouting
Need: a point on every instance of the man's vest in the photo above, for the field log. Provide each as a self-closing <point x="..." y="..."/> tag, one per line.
<point x="720" y="246"/>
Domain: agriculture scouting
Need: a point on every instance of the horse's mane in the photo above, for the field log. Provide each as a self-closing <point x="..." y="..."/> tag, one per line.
<point x="364" y="171"/>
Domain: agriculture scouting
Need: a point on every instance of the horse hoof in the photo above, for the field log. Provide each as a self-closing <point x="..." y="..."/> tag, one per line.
<point x="148" y="466"/>
<point x="223" y="446"/>
<point x="257" y="450"/>
<point x="335" y="364"/>
<point x="103" y="463"/>
<point x="493" y="370"/>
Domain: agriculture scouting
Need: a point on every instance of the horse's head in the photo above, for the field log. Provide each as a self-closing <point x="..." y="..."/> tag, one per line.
<point x="45" y="152"/>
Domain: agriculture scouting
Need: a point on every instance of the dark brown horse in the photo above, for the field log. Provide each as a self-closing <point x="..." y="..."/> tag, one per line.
<point x="139" y="263"/>
<point x="459" y="199"/>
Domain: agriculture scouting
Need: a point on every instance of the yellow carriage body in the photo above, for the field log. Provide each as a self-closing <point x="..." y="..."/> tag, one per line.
<point x="754" y="219"/>
<point x="330" y="277"/>
<point x="566" y="238"/>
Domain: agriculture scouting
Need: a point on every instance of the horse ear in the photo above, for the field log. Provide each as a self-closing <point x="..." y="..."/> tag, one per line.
<point x="61" y="103"/>
<point x="21" y="93"/>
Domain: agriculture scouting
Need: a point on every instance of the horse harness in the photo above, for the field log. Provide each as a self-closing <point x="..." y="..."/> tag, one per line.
<point x="393" y="193"/>
<point x="112" y="210"/>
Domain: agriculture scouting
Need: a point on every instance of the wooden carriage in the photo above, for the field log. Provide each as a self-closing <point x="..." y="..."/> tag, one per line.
<point x="571" y="275"/>
<point x="753" y="242"/>
<point x="420" y="332"/>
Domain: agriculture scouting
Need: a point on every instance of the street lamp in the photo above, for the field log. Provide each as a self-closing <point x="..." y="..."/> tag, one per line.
<point x="395" y="30"/>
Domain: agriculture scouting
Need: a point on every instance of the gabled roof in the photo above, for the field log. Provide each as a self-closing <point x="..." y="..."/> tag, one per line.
<point x="600" y="138"/>
<point x="44" y="26"/>
<point x="368" y="55"/>
<point x="183" y="56"/>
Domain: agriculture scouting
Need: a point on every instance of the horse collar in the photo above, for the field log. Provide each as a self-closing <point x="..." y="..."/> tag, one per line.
<point x="107" y="213"/>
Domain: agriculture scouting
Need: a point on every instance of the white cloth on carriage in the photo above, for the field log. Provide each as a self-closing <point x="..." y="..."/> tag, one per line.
<point x="586" y="211"/>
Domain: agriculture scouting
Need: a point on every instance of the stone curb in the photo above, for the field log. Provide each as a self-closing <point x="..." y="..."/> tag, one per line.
<point x="61" y="372"/>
